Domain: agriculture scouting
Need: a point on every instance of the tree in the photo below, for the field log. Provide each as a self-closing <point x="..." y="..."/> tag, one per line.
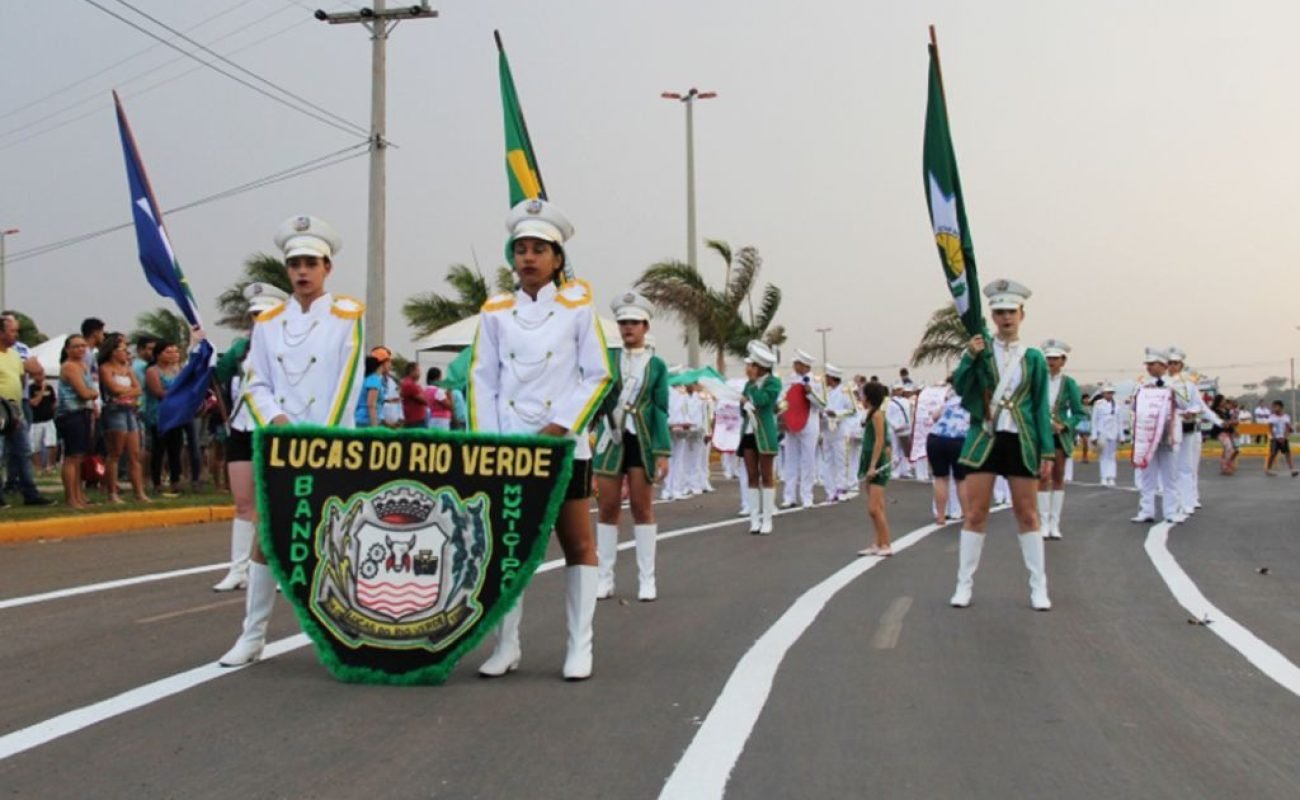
<point x="944" y="339"/>
<point x="162" y="323"/>
<point x="28" y="333"/>
<point x="430" y="311"/>
<point x="258" y="268"/>
<point x="1274" y="384"/>
<point x="681" y="291"/>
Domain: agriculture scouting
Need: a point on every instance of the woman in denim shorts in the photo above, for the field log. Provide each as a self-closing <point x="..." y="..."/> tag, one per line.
<point x="120" y="419"/>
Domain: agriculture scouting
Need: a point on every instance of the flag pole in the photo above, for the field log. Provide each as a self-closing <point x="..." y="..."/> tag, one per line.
<point x="938" y="66"/>
<point x="523" y="124"/>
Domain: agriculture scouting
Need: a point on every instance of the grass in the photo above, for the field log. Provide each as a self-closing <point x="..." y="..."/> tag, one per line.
<point x="49" y="486"/>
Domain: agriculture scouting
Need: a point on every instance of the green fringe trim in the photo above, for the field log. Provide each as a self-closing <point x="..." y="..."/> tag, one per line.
<point x="435" y="673"/>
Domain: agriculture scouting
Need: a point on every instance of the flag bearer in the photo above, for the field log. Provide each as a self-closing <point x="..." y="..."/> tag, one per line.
<point x="758" y="434"/>
<point x="540" y="366"/>
<point x="306" y="361"/>
<point x="1067" y="411"/>
<point x="631" y="439"/>
<point x="1003" y="384"/>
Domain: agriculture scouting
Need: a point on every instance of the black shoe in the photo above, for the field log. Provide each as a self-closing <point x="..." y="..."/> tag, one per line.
<point x="38" y="500"/>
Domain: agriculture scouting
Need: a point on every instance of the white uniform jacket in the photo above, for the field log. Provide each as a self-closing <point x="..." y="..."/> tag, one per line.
<point x="537" y="362"/>
<point x="1105" y="420"/>
<point x="840" y="406"/>
<point x="306" y="365"/>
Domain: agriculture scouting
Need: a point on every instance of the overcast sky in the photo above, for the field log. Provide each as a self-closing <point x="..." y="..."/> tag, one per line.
<point x="1135" y="164"/>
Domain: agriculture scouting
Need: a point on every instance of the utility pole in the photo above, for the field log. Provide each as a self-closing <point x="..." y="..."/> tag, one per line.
<point x="689" y="98"/>
<point x="11" y="232"/>
<point x="823" y="332"/>
<point x="380" y="21"/>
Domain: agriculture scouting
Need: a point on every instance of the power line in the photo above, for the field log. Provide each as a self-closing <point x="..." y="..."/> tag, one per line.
<point x="347" y="127"/>
<point x="242" y="69"/>
<point x="99" y="95"/>
<point x="307" y="167"/>
<point x="98" y="73"/>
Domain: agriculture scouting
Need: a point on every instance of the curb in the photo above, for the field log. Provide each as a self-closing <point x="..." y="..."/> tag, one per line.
<point x="119" y="522"/>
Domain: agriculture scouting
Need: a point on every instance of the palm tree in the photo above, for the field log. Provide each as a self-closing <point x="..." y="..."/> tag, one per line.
<point x="944" y="340"/>
<point x="28" y="333"/>
<point x="429" y="311"/>
<point x="680" y="290"/>
<point x="258" y="268"/>
<point x="162" y="323"/>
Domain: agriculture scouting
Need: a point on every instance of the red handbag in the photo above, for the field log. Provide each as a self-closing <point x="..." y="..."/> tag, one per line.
<point x="92" y="470"/>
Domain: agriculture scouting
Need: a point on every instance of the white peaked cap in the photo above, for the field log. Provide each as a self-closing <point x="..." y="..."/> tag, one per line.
<point x="760" y="354"/>
<point x="800" y="357"/>
<point x="262" y="297"/>
<point x="833" y="371"/>
<point x="1176" y="353"/>
<point x="305" y="235"/>
<point x="1155" y="354"/>
<point x="1055" y="348"/>
<point x="632" y="305"/>
<point x="538" y="219"/>
<point x="1006" y="294"/>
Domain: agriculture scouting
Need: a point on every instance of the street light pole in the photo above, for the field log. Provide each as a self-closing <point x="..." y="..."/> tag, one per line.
<point x="379" y="20"/>
<point x="823" y="332"/>
<point x="689" y="98"/>
<point x="3" y="234"/>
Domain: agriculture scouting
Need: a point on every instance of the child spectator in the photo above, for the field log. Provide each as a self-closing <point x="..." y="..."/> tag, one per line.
<point x="1279" y="423"/>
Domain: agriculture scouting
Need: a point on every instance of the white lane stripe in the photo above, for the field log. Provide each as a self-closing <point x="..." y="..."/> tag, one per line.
<point x="77" y="719"/>
<point x="706" y="766"/>
<point x="58" y="594"/>
<point x="1257" y="651"/>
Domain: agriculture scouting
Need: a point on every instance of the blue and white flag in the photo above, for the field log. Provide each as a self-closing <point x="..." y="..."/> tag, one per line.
<point x="164" y="274"/>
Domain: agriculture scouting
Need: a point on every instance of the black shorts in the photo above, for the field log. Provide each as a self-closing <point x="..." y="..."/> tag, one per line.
<point x="943" y="452"/>
<point x="747" y="442"/>
<point x="1280" y="447"/>
<point x="239" y="447"/>
<point x="579" y="481"/>
<point x="74" y="431"/>
<point x="632" y="453"/>
<point x="1005" y="458"/>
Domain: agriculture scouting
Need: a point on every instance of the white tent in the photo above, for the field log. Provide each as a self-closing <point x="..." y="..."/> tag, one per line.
<point x="47" y="353"/>
<point x="459" y="335"/>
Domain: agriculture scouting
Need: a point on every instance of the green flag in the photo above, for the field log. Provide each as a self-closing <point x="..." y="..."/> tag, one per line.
<point x="947" y="209"/>
<point x="521" y="163"/>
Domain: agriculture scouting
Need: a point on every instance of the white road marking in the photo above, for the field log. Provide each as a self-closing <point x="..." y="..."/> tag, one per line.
<point x="59" y="594"/>
<point x="1257" y="651"/>
<point x="78" y="719"/>
<point x="891" y="624"/>
<point x="706" y="766"/>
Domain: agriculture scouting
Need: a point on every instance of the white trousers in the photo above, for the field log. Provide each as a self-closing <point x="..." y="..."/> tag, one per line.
<point x="1106" y="459"/>
<point x="800" y="462"/>
<point x="835" y="449"/>
<point x="1159" y="474"/>
<point x="851" y="463"/>
<point x="676" y="485"/>
<point x="693" y="479"/>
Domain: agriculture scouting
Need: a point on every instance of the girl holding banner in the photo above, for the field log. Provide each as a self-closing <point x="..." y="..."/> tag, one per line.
<point x="540" y="367"/>
<point x="1003" y="385"/>
<point x="305" y="367"/>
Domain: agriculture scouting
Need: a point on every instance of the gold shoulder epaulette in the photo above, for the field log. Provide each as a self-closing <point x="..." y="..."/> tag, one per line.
<point x="574" y="294"/>
<point x="272" y="312"/>
<point x="499" y="302"/>
<point x="347" y="307"/>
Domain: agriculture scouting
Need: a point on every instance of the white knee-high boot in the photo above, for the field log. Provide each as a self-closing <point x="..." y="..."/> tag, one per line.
<point x="607" y="554"/>
<point x="505" y="656"/>
<point x="646" y="542"/>
<point x="257" y="616"/>
<point x="769" y="506"/>
<point x="241" y="549"/>
<point x="755" y="503"/>
<point x="1058" y="500"/>
<point x="1031" y="547"/>
<point x="968" y="560"/>
<point x="579" y="611"/>
<point x="1045" y="512"/>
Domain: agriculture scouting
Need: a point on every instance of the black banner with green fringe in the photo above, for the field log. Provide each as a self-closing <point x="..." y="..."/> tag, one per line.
<point x="399" y="550"/>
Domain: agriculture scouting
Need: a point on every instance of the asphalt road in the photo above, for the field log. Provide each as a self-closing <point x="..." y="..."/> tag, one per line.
<point x="888" y="692"/>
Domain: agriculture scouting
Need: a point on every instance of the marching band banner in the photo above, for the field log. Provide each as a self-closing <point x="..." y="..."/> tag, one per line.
<point x="1151" y="407"/>
<point x="400" y="550"/>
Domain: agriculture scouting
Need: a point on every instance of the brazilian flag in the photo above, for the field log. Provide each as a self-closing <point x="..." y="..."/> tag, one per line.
<point x="521" y="163"/>
<point x="947" y="209"/>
